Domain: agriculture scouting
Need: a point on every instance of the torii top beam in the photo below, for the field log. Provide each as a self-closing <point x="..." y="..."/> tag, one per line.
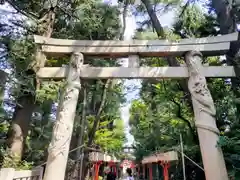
<point x="210" y="46"/>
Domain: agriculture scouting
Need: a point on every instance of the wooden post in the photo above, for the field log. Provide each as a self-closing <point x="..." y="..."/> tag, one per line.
<point x="165" y="166"/>
<point x="62" y="131"/>
<point x="204" y="111"/>
<point x="97" y="165"/>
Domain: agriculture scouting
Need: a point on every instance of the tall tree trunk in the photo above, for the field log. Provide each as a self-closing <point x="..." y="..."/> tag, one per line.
<point x="79" y="137"/>
<point x="80" y="152"/>
<point x="20" y="126"/>
<point x="26" y="103"/>
<point x="3" y="78"/>
<point x="98" y="115"/>
<point x="227" y="21"/>
<point x="154" y="19"/>
<point x="92" y="133"/>
<point x="172" y="61"/>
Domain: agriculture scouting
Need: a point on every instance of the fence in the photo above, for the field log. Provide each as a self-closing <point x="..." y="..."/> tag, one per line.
<point x="12" y="174"/>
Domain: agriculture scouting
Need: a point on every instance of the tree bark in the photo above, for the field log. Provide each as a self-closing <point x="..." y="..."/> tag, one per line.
<point x="154" y="19"/>
<point x="62" y="132"/>
<point x="98" y="115"/>
<point x="80" y="152"/>
<point x="205" y="120"/>
<point x="3" y="79"/>
<point x="19" y="128"/>
<point x="79" y="138"/>
<point x="94" y="128"/>
<point x="23" y="112"/>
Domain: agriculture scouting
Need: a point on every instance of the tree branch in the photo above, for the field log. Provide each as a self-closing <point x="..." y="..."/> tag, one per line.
<point x="19" y="10"/>
<point x="185" y="7"/>
<point x="172" y="61"/>
<point x="100" y="109"/>
<point x="156" y="24"/>
<point x="179" y="115"/>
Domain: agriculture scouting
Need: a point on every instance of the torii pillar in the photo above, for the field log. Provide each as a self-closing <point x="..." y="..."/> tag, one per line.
<point x="62" y="132"/>
<point x="205" y="121"/>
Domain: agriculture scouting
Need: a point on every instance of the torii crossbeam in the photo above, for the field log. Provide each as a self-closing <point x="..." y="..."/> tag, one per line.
<point x="209" y="46"/>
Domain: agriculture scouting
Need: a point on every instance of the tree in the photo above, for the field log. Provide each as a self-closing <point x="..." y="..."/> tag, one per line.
<point x="170" y="103"/>
<point x="26" y="99"/>
<point x="227" y="18"/>
<point x="76" y="21"/>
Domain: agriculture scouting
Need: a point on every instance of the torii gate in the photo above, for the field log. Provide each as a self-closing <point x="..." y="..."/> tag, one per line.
<point x="191" y="49"/>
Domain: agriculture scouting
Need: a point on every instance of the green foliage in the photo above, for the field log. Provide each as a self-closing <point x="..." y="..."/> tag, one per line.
<point x="80" y="19"/>
<point x="193" y="22"/>
<point x="162" y="113"/>
<point x="231" y="146"/>
<point x="157" y="118"/>
<point x="110" y="134"/>
<point x="101" y="25"/>
<point x="49" y="91"/>
<point x="37" y="141"/>
<point x="12" y="161"/>
<point x="111" y="141"/>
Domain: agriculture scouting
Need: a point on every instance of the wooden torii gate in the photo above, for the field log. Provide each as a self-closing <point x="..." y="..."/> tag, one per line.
<point x="191" y="49"/>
